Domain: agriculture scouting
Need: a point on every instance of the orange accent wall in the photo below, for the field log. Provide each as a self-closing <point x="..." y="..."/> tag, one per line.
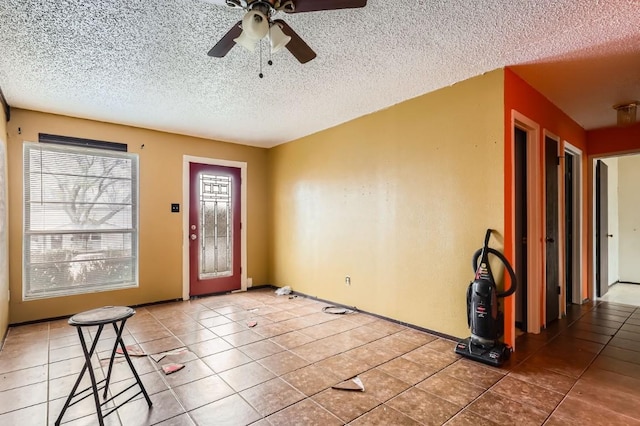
<point x="613" y="140"/>
<point x="521" y="97"/>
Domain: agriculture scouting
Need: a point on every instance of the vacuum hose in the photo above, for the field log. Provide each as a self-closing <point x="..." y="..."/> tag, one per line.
<point x="506" y="264"/>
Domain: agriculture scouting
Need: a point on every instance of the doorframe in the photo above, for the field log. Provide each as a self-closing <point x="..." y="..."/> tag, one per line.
<point x="186" y="160"/>
<point x="578" y="212"/>
<point x="559" y="203"/>
<point x="592" y="286"/>
<point x="591" y="264"/>
<point x="535" y="220"/>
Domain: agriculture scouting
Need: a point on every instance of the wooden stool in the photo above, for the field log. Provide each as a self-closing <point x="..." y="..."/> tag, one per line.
<point x="116" y="315"/>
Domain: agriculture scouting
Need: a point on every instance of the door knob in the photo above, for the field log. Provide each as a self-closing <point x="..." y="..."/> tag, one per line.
<point x="610" y="235"/>
<point x="550" y="240"/>
<point x="193" y="236"/>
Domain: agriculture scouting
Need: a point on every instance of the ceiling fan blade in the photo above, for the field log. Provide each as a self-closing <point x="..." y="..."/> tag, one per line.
<point x="226" y="42"/>
<point x="316" y="5"/>
<point x="296" y="45"/>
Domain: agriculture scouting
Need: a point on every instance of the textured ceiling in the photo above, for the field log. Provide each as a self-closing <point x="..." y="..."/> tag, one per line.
<point x="145" y="63"/>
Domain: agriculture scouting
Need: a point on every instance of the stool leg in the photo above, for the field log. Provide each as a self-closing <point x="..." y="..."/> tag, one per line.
<point x="87" y="366"/>
<point x="113" y="355"/>
<point x="87" y="355"/>
<point x="133" y="370"/>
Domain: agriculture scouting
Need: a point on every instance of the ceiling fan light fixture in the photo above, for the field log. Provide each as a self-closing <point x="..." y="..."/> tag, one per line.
<point x="255" y="24"/>
<point x="626" y="112"/>
<point x="277" y="38"/>
<point x="247" y="42"/>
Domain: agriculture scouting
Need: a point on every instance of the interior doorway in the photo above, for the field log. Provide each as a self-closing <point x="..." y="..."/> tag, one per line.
<point x="520" y="198"/>
<point x="616" y="248"/>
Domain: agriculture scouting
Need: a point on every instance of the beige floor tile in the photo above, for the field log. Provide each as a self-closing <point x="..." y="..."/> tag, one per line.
<point x="582" y="412"/>
<point x="226" y="360"/>
<point x="449" y="388"/>
<point x="502" y="410"/>
<point x="271" y="396"/>
<point x="304" y="413"/>
<point x="22" y="397"/>
<point x="201" y="392"/>
<point x="424" y="407"/>
<point x="346" y="405"/>
<point x="246" y="376"/>
<point x="311" y="379"/>
<point x="232" y="410"/>
<point x="384" y="415"/>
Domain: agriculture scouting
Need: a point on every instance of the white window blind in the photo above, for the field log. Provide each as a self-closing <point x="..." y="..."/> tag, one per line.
<point x="80" y="220"/>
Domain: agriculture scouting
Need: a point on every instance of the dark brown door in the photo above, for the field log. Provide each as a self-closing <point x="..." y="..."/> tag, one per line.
<point x="551" y="238"/>
<point x="602" y="229"/>
<point x="214" y="229"/>
<point x="520" y="153"/>
<point x="569" y="198"/>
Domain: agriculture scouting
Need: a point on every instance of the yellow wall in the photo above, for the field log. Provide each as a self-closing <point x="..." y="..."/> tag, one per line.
<point x="4" y="281"/>
<point x="399" y="200"/>
<point x="160" y="244"/>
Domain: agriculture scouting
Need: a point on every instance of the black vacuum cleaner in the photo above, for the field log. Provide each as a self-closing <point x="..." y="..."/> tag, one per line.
<point x="484" y="317"/>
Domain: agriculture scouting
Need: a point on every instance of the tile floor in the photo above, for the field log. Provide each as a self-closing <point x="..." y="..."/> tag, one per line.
<point x="584" y="369"/>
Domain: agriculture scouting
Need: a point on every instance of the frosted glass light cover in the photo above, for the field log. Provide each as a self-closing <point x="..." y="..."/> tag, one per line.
<point x="277" y="38"/>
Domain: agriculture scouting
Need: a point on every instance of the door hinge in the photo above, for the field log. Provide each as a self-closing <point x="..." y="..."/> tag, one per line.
<point x="558" y="161"/>
<point x="558" y="289"/>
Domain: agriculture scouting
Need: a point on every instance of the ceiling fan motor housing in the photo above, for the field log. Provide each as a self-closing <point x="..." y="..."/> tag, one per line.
<point x="268" y="7"/>
<point x="252" y="27"/>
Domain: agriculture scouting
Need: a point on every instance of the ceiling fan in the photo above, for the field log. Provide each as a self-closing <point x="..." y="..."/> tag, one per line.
<point x="258" y="23"/>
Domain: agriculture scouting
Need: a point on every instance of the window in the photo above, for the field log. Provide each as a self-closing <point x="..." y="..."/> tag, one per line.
<point x="80" y="220"/>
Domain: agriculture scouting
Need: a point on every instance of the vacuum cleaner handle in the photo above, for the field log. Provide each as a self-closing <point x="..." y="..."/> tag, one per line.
<point x="505" y="262"/>
<point x="487" y="236"/>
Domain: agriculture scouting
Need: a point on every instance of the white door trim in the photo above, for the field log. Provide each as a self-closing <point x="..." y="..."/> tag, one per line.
<point x="186" y="160"/>
<point x="535" y="221"/>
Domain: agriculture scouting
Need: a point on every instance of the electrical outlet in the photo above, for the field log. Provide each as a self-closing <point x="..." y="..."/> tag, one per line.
<point x="347" y="280"/>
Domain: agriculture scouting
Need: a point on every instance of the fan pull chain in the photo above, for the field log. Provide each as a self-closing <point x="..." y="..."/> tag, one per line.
<point x="270" y="62"/>
<point x="260" y="75"/>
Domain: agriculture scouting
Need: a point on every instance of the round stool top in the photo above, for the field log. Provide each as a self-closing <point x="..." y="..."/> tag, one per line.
<point x="104" y="315"/>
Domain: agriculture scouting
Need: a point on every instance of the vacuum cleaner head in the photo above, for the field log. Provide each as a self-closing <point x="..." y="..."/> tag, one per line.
<point x="495" y="355"/>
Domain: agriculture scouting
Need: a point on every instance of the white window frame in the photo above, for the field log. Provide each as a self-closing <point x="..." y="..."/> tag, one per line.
<point x="133" y="230"/>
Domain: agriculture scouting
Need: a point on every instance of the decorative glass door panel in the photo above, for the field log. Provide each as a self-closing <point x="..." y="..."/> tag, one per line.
<point x="214" y="229"/>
